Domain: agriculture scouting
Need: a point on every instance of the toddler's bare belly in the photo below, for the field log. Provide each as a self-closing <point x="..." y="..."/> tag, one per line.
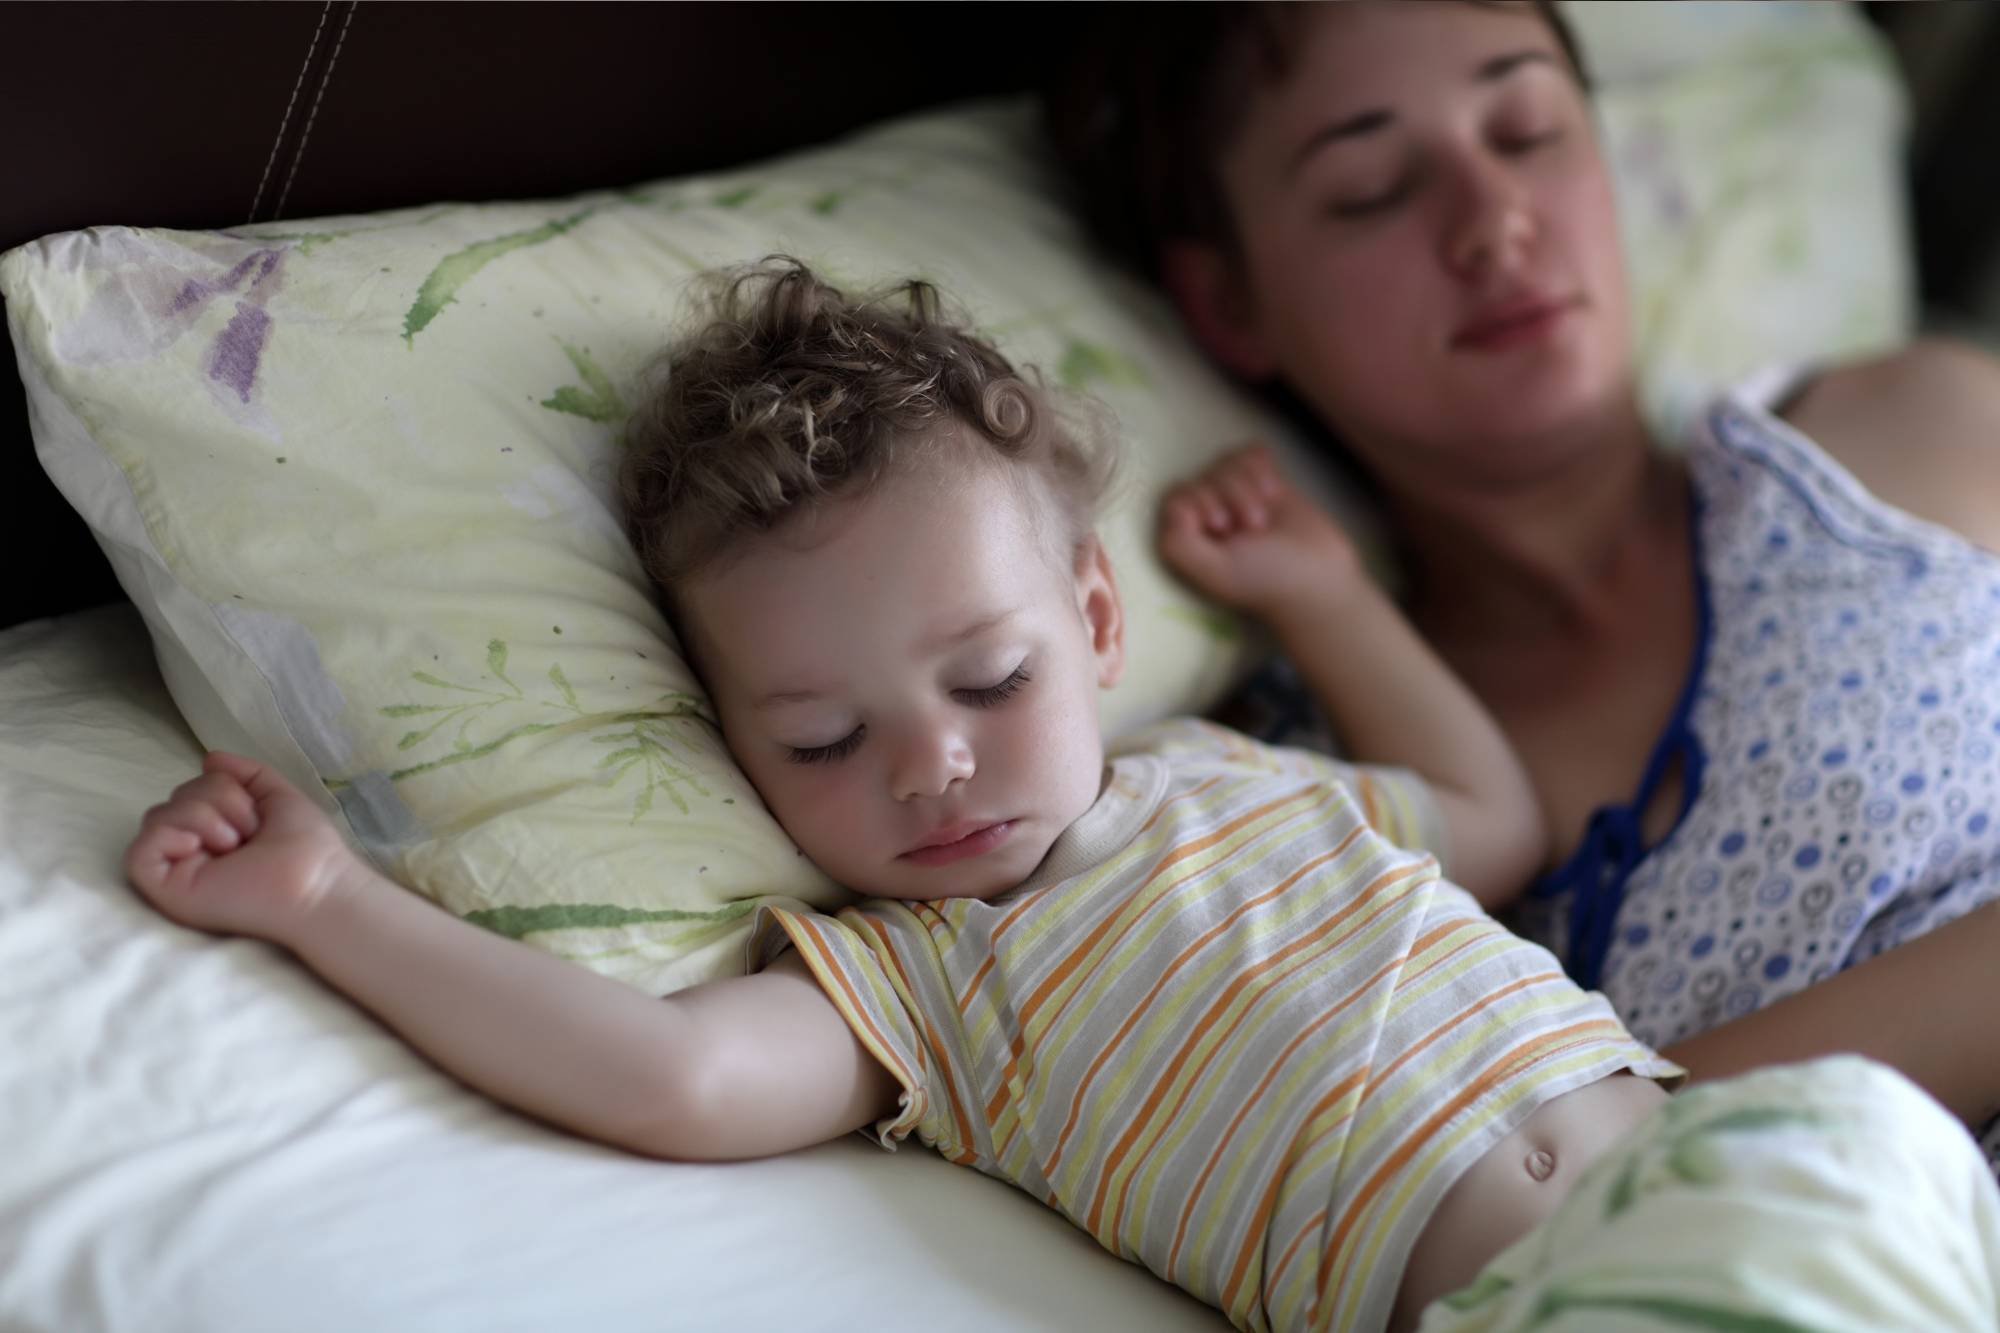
<point x="1517" y="1183"/>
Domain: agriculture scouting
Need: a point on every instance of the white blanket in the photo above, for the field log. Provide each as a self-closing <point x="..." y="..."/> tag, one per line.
<point x="196" y="1136"/>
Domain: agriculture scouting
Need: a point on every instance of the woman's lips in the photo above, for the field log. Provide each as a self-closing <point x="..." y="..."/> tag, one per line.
<point x="1512" y="324"/>
<point x="958" y="841"/>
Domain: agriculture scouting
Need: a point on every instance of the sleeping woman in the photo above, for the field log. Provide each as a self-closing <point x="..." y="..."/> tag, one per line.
<point x="1755" y="682"/>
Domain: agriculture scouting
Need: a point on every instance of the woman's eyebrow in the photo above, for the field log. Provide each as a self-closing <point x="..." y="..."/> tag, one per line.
<point x="1353" y="127"/>
<point x="1379" y="118"/>
<point x="1499" y="67"/>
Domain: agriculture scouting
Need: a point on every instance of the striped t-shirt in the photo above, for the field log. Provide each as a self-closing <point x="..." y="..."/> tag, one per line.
<point x="1228" y="1027"/>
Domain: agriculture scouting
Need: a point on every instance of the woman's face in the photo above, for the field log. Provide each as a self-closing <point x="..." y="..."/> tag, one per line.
<point x="1429" y="250"/>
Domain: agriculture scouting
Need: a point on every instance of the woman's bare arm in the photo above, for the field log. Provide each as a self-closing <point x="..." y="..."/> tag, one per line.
<point x="1920" y="428"/>
<point x="1926" y="1007"/>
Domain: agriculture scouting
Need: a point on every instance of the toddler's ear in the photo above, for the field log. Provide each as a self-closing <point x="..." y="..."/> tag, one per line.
<point x="1208" y="288"/>
<point x="1103" y="614"/>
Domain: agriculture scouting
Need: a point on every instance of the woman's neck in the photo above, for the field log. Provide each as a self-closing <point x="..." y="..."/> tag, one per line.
<point x="1564" y="554"/>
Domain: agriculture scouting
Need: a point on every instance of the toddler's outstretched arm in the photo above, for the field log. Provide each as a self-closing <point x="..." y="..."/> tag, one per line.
<point x="1242" y="534"/>
<point x="740" y="1068"/>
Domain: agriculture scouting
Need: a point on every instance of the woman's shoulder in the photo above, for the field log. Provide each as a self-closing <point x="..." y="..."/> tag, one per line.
<point x="1919" y="427"/>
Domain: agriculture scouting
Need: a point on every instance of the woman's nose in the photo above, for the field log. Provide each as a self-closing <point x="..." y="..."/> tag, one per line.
<point x="929" y="762"/>
<point x="1492" y="224"/>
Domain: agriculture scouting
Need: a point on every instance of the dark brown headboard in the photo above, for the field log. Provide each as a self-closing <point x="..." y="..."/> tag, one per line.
<point x="214" y="114"/>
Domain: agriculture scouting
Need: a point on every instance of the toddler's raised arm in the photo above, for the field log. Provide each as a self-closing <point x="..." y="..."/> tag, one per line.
<point x="1242" y="534"/>
<point x="746" y="1067"/>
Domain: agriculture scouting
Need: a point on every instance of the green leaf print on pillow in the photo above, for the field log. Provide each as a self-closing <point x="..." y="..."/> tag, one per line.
<point x="650" y="750"/>
<point x="1085" y="363"/>
<point x="440" y="289"/>
<point x="645" y="745"/>
<point x="596" y="400"/>
<point x="519" y="922"/>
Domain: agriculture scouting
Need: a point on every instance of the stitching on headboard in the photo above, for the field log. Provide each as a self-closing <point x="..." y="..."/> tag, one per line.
<point x="313" y="115"/>
<point x="279" y="139"/>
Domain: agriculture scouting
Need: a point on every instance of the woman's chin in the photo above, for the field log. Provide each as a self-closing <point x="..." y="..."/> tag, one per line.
<point x="1543" y="402"/>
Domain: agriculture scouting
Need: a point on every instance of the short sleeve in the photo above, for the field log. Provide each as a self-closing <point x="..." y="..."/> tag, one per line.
<point x="863" y="987"/>
<point x="1397" y="803"/>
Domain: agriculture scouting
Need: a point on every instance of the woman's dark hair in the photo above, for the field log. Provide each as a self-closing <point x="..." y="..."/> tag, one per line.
<point x="1149" y="96"/>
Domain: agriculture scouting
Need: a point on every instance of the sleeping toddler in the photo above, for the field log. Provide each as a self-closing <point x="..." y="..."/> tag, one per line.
<point x="1210" y="999"/>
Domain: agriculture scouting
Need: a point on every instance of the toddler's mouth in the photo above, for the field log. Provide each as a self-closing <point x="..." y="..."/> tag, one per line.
<point x="956" y="842"/>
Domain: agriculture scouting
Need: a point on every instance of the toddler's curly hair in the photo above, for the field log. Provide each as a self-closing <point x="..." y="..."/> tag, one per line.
<point x="792" y="394"/>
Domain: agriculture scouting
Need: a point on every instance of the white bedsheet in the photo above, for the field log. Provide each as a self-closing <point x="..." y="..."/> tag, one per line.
<point x="198" y="1137"/>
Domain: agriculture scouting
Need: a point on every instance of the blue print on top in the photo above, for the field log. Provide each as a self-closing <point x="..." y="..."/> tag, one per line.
<point x="1838" y="740"/>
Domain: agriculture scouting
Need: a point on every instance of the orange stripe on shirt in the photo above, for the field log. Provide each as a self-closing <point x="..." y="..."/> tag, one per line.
<point x="1124" y="925"/>
<point x="1167" y="975"/>
<point x="1022" y="908"/>
<point x="886" y="949"/>
<point x="1246" y="1254"/>
<point x="825" y="970"/>
<point x="1300" y="952"/>
<point x="1518" y="1057"/>
<point x="1352" y="998"/>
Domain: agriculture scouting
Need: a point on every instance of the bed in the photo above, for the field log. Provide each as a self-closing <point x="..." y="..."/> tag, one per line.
<point x="199" y="1135"/>
<point x="204" y="1138"/>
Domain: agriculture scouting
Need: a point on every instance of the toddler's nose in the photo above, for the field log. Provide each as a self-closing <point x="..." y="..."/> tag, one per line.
<point x="929" y="763"/>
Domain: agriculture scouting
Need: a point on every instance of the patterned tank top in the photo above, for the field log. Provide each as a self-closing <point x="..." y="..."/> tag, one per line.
<point x="1836" y="738"/>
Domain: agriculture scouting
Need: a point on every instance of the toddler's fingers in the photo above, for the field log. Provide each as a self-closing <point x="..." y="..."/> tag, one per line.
<point x="204" y="819"/>
<point x="1183" y="538"/>
<point x="245" y="771"/>
<point x="1180" y="527"/>
<point x="1256" y="469"/>
<point x="156" y="851"/>
<point x="1214" y="513"/>
<point x="222" y="761"/>
<point x="223" y="792"/>
<point x="1179" y="512"/>
<point x="236" y="804"/>
<point x="1246" y="503"/>
<point x="1263" y="463"/>
<point x="260" y="780"/>
<point x="212" y="806"/>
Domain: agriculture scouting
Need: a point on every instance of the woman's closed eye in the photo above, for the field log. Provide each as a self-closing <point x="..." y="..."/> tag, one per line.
<point x="1521" y="144"/>
<point x="993" y="695"/>
<point x="1366" y="205"/>
<point x="1369" y="205"/>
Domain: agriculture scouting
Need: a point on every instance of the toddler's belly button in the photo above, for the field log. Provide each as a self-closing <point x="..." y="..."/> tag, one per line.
<point x="1517" y="1183"/>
